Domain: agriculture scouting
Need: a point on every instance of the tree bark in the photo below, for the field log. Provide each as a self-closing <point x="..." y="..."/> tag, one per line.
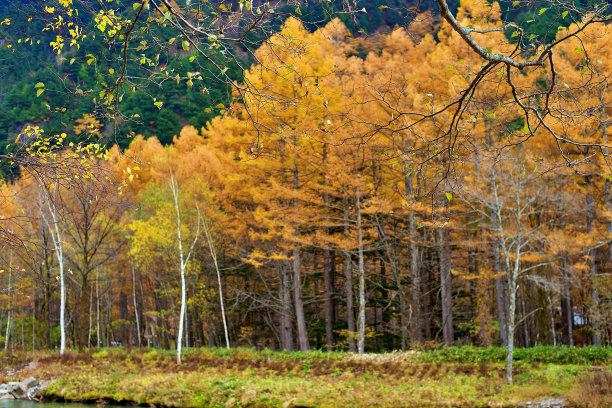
<point x="361" y="343"/>
<point x="9" y="309"/>
<point x="183" y="261"/>
<point x="416" y="326"/>
<point x="286" y="336"/>
<point x="213" y="254"/>
<point x="299" y="303"/>
<point x="329" y="269"/>
<point x="297" y="275"/>
<point x="56" y="237"/>
<point x="136" y="307"/>
<point x="446" y="285"/>
<point x="500" y="297"/>
<point x="348" y="274"/>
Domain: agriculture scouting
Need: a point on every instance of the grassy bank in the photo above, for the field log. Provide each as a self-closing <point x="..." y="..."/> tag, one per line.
<point x="457" y="377"/>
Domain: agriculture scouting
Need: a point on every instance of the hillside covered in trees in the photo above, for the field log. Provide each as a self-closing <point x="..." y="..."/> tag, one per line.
<point x="32" y="62"/>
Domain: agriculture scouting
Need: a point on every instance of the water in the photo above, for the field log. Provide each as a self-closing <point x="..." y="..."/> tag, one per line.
<point x="34" y="404"/>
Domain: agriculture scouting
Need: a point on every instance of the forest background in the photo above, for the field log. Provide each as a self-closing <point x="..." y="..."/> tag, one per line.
<point x="327" y="223"/>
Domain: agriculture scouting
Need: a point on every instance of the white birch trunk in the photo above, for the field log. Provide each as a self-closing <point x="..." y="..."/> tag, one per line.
<point x="135" y="306"/>
<point x="183" y="264"/>
<point x="361" y="341"/>
<point x="56" y="237"/>
<point x="213" y="254"/>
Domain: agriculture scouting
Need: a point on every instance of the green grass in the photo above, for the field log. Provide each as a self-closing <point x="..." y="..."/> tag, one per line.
<point x="539" y="354"/>
<point x="458" y="377"/>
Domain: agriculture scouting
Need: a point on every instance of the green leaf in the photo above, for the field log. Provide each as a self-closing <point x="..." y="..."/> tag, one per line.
<point x="159" y="104"/>
<point x="564" y="14"/>
<point x="449" y="196"/>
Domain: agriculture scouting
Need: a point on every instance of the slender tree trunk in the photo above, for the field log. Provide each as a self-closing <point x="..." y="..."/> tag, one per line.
<point x="512" y="284"/>
<point x="499" y="289"/>
<point x="302" y="332"/>
<point x="179" y="340"/>
<point x="348" y="274"/>
<point x="213" y="254"/>
<point x="362" y="306"/>
<point x="9" y="308"/>
<point x="511" y="321"/>
<point x="286" y="337"/>
<point x="299" y="303"/>
<point x="90" y="313"/>
<point x="83" y="306"/>
<point x="551" y="318"/>
<point x="524" y="318"/>
<point x="98" y="305"/>
<point x="595" y="303"/>
<point x="416" y="327"/>
<point x="183" y="264"/>
<point x="594" y="309"/>
<point x="47" y="305"/>
<point x="426" y="290"/>
<point x="136" y="306"/>
<point x="328" y="270"/>
<point x="415" y="284"/>
<point x="445" y="286"/>
<point x="59" y="251"/>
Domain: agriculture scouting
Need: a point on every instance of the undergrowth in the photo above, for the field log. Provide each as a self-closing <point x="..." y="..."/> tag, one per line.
<point x="458" y="376"/>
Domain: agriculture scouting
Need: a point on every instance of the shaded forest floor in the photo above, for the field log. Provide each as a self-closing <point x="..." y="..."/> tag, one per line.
<point x="245" y="377"/>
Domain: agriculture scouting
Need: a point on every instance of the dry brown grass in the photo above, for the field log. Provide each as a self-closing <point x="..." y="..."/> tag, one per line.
<point x="594" y="391"/>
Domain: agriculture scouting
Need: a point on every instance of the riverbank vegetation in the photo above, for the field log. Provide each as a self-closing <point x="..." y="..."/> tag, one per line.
<point x="461" y="377"/>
